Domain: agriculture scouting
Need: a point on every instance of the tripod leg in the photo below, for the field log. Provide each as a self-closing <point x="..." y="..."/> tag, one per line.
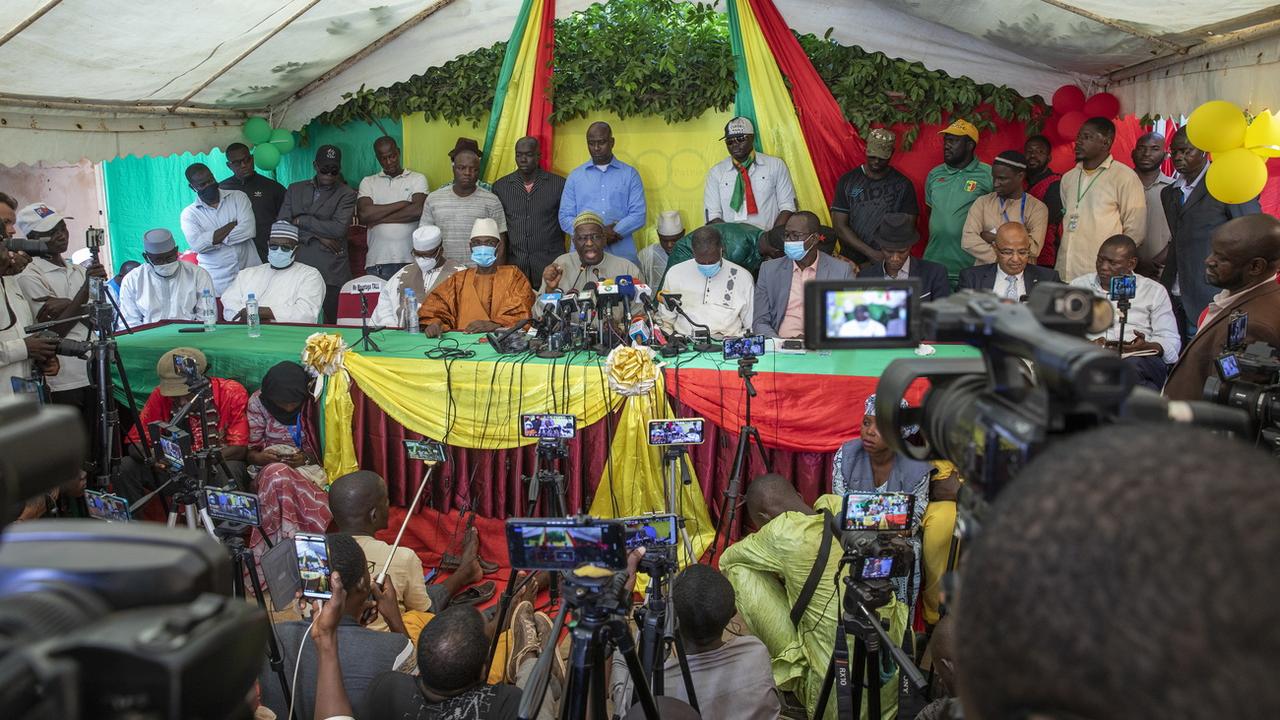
<point x="599" y="688"/>
<point x="686" y="674"/>
<point x="764" y="452"/>
<point x="244" y="561"/>
<point x="627" y="646"/>
<point x="873" y="684"/>
<point x="729" y="507"/>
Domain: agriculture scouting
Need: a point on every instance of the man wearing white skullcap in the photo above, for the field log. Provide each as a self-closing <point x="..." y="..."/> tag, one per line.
<point x="653" y="258"/>
<point x="427" y="270"/>
<point x="286" y="291"/>
<point x="162" y="288"/>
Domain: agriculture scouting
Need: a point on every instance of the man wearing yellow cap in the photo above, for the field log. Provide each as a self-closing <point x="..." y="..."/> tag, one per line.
<point x="587" y="262"/>
<point x="479" y="299"/>
<point x="949" y="190"/>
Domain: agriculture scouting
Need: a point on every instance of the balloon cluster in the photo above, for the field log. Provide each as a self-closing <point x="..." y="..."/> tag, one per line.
<point x="1071" y="109"/>
<point x="1240" y="148"/>
<point x="268" y="143"/>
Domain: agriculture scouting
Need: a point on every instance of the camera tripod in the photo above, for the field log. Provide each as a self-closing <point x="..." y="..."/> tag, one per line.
<point x="550" y="452"/>
<point x="870" y="639"/>
<point x="673" y="459"/>
<point x="657" y="623"/>
<point x="746" y="434"/>
<point x="599" y="608"/>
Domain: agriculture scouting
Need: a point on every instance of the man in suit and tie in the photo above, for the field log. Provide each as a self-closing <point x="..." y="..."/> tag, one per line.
<point x="1243" y="261"/>
<point x="1193" y="215"/>
<point x="779" y="295"/>
<point x="1011" y="275"/>
<point x="895" y="236"/>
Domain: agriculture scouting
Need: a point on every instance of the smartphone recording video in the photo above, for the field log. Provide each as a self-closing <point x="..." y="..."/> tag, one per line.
<point x="424" y="450"/>
<point x="877" y="511"/>
<point x="651" y="531"/>
<point x="174" y="444"/>
<point x="312" y="553"/>
<point x="565" y="543"/>
<point x="545" y="426"/>
<point x="1124" y="287"/>
<point x="105" y="506"/>
<point x="736" y="348"/>
<point x="844" y="314"/>
<point x="681" y="431"/>
<point x="232" y="506"/>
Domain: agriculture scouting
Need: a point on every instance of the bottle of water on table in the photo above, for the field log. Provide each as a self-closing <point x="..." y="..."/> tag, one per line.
<point x="208" y="311"/>
<point x="251" y="316"/>
<point x="410" y="310"/>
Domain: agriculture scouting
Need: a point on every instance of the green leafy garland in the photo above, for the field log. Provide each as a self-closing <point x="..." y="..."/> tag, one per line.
<point x="672" y="59"/>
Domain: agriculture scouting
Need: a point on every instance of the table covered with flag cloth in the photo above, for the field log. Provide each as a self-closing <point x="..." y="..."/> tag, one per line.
<point x="806" y="406"/>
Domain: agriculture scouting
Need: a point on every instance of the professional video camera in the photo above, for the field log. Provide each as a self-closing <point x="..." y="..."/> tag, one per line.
<point x="1249" y="379"/>
<point x="103" y="620"/>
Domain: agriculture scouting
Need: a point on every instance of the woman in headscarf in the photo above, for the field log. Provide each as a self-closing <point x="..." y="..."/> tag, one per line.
<point x="868" y="464"/>
<point x="283" y="458"/>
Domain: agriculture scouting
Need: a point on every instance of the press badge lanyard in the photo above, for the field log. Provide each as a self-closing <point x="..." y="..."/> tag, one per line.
<point x="295" y="430"/>
<point x="1075" y="216"/>
<point x="1022" y="211"/>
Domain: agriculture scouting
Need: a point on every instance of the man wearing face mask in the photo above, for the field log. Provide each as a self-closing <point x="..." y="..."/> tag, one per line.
<point x="423" y="275"/>
<point x="286" y="291"/>
<point x="220" y="227"/>
<point x="714" y="292"/>
<point x="779" y="295"/>
<point x="321" y="209"/>
<point x="479" y="299"/>
<point x="165" y="288"/>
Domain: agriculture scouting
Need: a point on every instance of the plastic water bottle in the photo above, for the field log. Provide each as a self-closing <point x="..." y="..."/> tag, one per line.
<point x="208" y="311"/>
<point x="251" y="316"/>
<point x="410" y="311"/>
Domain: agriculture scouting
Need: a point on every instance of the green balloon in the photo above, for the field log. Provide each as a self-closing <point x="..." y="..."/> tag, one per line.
<point x="256" y="130"/>
<point x="266" y="156"/>
<point x="283" y="140"/>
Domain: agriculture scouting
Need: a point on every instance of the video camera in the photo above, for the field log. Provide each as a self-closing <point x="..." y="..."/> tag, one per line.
<point x="1249" y="379"/>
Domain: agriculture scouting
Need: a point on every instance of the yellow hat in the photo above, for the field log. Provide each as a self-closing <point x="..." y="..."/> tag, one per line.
<point x="961" y="127"/>
<point x="587" y="216"/>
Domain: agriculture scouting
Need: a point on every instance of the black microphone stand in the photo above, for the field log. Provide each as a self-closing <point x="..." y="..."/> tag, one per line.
<point x="365" y="342"/>
<point x="1123" y="306"/>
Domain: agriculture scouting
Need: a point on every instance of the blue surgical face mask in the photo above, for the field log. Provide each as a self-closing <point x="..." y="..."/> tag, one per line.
<point x="279" y="258"/>
<point x="795" y="249"/>
<point x="709" y="271"/>
<point x="484" y="255"/>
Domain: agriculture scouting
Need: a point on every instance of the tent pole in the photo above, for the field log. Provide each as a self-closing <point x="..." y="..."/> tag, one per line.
<point x="242" y="56"/>
<point x="10" y="103"/>
<point x="1123" y="27"/>
<point x="30" y="19"/>
<point x="1214" y="44"/>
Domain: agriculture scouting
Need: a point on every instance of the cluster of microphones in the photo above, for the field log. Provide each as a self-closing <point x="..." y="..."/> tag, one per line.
<point x="599" y="317"/>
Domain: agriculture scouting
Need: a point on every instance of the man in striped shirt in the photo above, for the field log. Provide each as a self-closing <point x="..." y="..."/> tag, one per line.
<point x="531" y="201"/>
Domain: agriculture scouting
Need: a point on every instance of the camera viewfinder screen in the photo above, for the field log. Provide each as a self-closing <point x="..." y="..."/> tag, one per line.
<point x="876" y="567"/>
<point x="313" y="565"/>
<point x="547" y="427"/>
<point x="105" y="506"/>
<point x="425" y="450"/>
<point x="877" y="511"/>
<point x="868" y="313"/>
<point x="740" y="347"/>
<point x="1228" y="367"/>
<point x="237" y="507"/>
<point x="565" y="544"/>
<point x="651" y="531"/>
<point x="684" y="431"/>
<point x="171" y="449"/>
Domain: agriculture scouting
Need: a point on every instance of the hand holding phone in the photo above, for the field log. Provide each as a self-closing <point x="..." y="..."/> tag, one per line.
<point x="312" y="552"/>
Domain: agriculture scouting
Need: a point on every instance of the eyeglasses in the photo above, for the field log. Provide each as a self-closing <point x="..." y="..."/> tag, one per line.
<point x="596" y="238"/>
<point x="328" y="170"/>
<point x="1007" y="253"/>
<point x="797" y="235"/>
<point x="278" y="246"/>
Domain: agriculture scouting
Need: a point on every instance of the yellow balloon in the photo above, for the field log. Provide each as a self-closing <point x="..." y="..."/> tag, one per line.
<point x="1216" y="126"/>
<point x="1263" y="135"/>
<point x="1236" y="176"/>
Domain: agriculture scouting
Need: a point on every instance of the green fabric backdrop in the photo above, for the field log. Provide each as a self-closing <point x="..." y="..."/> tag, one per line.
<point x="149" y="192"/>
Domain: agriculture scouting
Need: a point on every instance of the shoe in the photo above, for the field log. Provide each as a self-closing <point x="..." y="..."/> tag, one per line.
<point x="450" y="562"/>
<point x="475" y="594"/>
<point x="524" y="638"/>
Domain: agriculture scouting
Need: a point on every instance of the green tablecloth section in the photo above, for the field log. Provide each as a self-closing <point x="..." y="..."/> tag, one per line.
<point x="233" y="354"/>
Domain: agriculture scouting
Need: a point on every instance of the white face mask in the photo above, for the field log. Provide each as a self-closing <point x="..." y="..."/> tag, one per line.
<point x="167" y="269"/>
<point x="426" y="265"/>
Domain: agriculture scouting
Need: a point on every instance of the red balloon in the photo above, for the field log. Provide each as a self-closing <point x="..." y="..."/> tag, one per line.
<point x="1103" y="104"/>
<point x="1069" y="124"/>
<point x="1050" y="130"/>
<point x="1066" y="99"/>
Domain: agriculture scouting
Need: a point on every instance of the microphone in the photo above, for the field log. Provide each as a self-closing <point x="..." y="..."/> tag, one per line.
<point x="627" y="290"/>
<point x="549" y="303"/>
<point x="587" y="297"/>
<point x="500" y="340"/>
<point x="644" y="294"/>
<point x="607" y="293"/>
<point x="639" y="330"/>
<point x="671" y="300"/>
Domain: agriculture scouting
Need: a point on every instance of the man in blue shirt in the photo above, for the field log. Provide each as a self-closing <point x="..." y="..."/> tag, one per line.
<point x="610" y="188"/>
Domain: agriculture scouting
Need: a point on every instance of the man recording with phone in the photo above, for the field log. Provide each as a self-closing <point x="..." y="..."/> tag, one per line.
<point x="138" y="474"/>
<point x="1151" y="338"/>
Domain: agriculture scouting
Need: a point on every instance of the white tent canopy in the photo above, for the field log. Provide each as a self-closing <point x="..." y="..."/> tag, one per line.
<point x="101" y="78"/>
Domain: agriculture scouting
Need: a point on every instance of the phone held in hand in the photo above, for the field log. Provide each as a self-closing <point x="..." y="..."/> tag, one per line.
<point x="312" y="553"/>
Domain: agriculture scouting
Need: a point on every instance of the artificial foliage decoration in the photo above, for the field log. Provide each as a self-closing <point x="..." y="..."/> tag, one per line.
<point x="673" y="60"/>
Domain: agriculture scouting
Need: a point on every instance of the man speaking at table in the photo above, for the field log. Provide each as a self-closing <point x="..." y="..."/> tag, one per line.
<point x="479" y="299"/>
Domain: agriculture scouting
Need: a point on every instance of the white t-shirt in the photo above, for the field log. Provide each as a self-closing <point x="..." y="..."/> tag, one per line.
<point x="45" y="279"/>
<point x="392" y="242"/>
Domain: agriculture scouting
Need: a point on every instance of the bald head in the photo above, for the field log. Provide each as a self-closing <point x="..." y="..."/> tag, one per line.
<point x="358" y="502"/>
<point x="768" y="496"/>
<point x="1013" y="247"/>
<point x="600" y="143"/>
<point x="1245" y="251"/>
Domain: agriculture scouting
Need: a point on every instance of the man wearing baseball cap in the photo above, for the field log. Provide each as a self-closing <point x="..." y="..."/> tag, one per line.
<point x="865" y="194"/>
<point x="949" y="190"/>
<point x="56" y="290"/>
<point x="427" y="271"/>
<point x="139" y="474"/>
<point x="895" y="237"/>
<point x="286" y="291"/>
<point x="748" y="186"/>
<point x="321" y="209"/>
<point x="164" y="288"/>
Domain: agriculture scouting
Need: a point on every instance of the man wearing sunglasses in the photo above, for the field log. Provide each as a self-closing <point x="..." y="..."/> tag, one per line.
<point x="287" y="291"/>
<point x="265" y="194"/>
<point x="321" y="208"/>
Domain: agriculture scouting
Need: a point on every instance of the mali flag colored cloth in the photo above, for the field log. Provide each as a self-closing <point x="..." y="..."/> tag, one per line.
<point x="521" y="103"/>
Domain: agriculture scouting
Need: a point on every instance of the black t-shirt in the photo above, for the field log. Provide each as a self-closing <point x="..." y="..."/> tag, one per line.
<point x="865" y="201"/>
<point x="395" y="696"/>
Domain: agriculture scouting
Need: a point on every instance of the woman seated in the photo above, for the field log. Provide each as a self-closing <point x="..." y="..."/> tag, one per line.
<point x="283" y="459"/>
